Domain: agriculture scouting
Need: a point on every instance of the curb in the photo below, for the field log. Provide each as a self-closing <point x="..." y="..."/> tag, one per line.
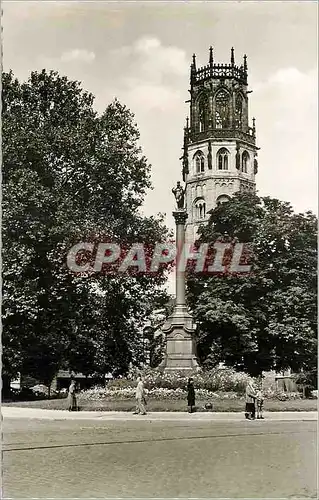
<point x="35" y="413"/>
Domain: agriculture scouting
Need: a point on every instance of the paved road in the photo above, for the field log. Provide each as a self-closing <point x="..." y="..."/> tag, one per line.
<point x="133" y="459"/>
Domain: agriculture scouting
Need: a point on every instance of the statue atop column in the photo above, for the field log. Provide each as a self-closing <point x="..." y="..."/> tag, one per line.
<point x="179" y="327"/>
<point x="179" y="194"/>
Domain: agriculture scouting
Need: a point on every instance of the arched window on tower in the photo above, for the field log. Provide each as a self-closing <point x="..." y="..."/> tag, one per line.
<point x="199" y="162"/>
<point x="222" y="159"/>
<point x="202" y="114"/>
<point x="223" y="198"/>
<point x="238" y="111"/>
<point x="244" y="161"/>
<point x="222" y="109"/>
<point x="199" y="209"/>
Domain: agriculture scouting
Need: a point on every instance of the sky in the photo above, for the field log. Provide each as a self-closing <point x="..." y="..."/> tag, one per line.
<point x="140" y="52"/>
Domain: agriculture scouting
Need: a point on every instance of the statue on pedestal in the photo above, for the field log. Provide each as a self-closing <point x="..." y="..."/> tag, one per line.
<point x="179" y="194"/>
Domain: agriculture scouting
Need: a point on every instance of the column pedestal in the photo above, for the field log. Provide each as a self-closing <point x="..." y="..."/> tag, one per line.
<point x="180" y="345"/>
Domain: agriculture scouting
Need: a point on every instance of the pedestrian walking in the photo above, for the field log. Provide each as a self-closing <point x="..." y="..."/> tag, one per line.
<point x="190" y="395"/>
<point x="140" y="397"/>
<point x="251" y="395"/>
<point x="72" y="403"/>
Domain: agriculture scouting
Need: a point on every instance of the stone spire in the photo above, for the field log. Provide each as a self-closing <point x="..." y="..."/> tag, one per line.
<point x="194" y="62"/>
<point x="232" y="56"/>
<point x="211" y="57"/>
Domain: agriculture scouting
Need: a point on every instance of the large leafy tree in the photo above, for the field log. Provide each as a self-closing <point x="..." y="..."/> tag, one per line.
<point x="68" y="174"/>
<point x="265" y="319"/>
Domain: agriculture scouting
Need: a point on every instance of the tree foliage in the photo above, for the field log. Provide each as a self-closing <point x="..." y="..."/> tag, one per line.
<point x="69" y="173"/>
<point x="265" y="319"/>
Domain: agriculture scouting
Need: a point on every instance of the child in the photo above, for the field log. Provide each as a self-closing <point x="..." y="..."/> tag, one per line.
<point x="260" y="404"/>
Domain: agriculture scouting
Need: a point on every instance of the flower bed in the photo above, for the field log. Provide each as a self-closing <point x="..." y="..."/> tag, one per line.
<point x="218" y="380"/>
<point x="162" y="394"/>
<point x="218" y="384"/>
<point x="98" y="393"/>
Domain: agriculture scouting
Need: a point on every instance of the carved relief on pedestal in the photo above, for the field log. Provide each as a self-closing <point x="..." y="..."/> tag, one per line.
<point x="178" y="336"/>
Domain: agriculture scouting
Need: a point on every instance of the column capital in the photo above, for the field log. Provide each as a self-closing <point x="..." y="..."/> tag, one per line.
<point x="180" y="217"/>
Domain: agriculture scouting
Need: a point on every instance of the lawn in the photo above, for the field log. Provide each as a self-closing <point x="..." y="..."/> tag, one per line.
<point x="220" y="405"/>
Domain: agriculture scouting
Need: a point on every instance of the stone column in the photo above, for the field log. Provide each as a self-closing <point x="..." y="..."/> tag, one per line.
<point x="180" y="219"/>
<point x="179" y="328"/>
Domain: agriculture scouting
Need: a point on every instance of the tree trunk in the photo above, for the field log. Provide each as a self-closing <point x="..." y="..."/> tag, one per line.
<point x="5" y="386"/>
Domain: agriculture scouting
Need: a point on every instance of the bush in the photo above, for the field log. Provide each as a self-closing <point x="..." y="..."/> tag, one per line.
<point x="162" y="394"/>
<point x="215" y="384"/>
<point x="281" y="396"/>
<point x="225" y="380"/>
<point x="121" y="383"/>
<point x="35" y="393"/>
<point x="307" y="379"/>
<point x="307" y="383"/>
<point x="217" y="380"/>
<point x="218" y="383"/>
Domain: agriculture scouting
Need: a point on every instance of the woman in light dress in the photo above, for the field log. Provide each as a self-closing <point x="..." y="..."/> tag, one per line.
<point x="72" y="404"/>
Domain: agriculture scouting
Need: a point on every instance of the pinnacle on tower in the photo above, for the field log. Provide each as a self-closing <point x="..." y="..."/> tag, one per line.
<point x="193" y="70"/>
<point x="194" y="61"/>
<point x="245" y="63"/>
<point x="211" y="57"/>
<point x="232" y="56"/>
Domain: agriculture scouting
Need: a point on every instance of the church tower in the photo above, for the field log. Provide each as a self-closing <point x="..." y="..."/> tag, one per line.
<point x="220" y="149"/>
